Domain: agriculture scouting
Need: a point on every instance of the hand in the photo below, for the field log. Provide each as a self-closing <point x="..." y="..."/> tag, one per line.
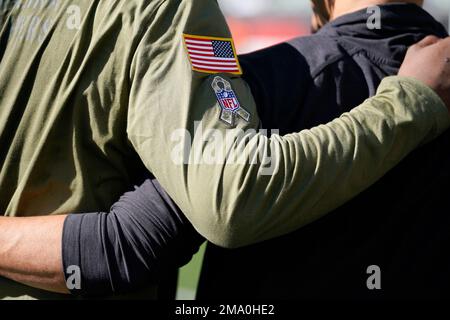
<point x="429" y="62"/>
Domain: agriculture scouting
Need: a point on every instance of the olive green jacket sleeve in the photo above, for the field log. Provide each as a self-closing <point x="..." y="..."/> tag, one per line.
<point x="238" y="200"/>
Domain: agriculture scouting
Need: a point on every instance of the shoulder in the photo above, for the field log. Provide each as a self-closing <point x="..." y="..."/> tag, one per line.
<point x="320" y="52"/>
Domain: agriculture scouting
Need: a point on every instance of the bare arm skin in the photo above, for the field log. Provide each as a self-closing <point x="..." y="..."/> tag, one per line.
<point x="151" y="231"/>
<point x="30" y="252"/>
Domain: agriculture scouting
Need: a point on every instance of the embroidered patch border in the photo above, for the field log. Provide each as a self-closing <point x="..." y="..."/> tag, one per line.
<point x="212" y="54"/>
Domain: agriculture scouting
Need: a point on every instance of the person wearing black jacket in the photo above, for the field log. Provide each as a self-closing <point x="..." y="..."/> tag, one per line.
<point x="398" y="228"/>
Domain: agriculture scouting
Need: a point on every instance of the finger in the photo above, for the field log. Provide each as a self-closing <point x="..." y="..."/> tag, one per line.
<point x="442" y="50"/>
<point x="445" y="42"/>
<point x="427" y="41"/>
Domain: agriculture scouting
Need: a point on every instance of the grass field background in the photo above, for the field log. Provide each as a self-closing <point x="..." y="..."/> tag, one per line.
<point x="189" y="276"/>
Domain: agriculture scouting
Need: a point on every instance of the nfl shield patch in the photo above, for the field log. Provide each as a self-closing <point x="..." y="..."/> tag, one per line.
<point x="229" y="103"/>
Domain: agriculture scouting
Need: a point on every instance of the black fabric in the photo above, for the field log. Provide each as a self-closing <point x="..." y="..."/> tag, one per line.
<point x="144" y="237"/>
<point x="401" y="224"/>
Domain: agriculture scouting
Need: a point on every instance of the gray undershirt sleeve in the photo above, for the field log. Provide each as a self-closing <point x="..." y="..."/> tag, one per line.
<point x="127" y="248"/>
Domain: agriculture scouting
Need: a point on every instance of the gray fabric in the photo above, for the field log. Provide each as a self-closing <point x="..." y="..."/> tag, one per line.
<point x="128" y="248"/>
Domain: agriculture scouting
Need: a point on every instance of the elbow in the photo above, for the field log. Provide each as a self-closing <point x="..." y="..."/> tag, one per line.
<point x="227" y="215"/>
<point x="225" y="229"/>
<point x="227" y="236"/>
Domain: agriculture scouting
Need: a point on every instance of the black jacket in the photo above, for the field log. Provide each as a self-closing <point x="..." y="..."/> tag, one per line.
<point x="401" y="224"/>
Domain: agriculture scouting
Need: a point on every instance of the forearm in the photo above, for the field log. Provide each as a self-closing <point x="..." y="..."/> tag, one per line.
<point x="318" y="170"/>
<point x="118" y="251"/>
<point x="184" y="138"/>
<point x="30" y="252"/>
<point x="233" y="204"/>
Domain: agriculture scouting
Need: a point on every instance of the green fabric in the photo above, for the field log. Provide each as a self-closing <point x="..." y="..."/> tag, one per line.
<point x="80" y="108"/>
<point x="234" y="204"/>
<point x="64" y="93"/>
<point x="64" y="99"/>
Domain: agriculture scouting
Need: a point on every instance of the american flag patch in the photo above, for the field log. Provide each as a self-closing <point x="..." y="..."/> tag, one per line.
<point x="212" y="55"/>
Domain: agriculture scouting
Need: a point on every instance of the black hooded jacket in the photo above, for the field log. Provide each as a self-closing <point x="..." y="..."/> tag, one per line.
<point x="400" y="225"/>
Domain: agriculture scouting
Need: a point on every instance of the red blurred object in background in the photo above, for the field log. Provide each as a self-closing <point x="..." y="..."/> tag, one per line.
<point x="257" y="33"/>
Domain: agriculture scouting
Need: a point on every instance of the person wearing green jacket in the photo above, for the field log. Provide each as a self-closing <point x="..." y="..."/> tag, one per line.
<point x="90" y="90"/>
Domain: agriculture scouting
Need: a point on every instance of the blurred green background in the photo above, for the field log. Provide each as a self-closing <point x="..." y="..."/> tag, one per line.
<point x="189" y="276"/>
